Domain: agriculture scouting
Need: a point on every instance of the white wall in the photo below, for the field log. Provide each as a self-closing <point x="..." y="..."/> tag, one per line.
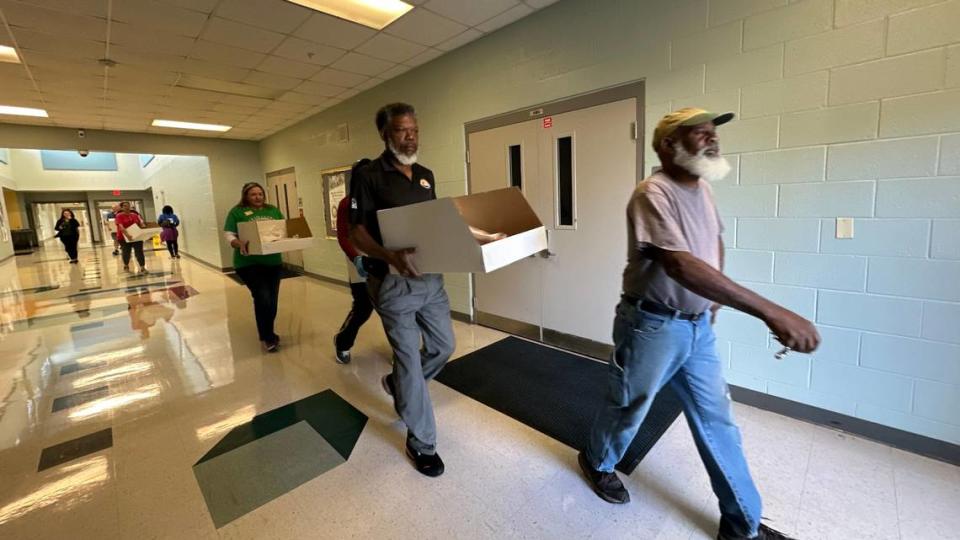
<point x="29" y="175"/>
<point x="232" y="163"/>
<point x="846" y="108"/>
<point x="6" y="241"/>
<point x="183" y="182"/>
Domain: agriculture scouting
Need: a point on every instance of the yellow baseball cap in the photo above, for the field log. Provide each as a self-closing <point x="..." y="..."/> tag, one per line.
<point x="687" y="116"/>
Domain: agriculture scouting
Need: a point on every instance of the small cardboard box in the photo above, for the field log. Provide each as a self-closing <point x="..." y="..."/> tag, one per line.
<point x="148" y="231"/>
<point x="440" y="231"/>
<point x="275" y="236"/>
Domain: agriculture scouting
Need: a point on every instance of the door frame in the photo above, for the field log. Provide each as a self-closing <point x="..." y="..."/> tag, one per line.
<point x="32" y="214"/>
<point x="632" y="89"/>
<point x="283" y="172"/>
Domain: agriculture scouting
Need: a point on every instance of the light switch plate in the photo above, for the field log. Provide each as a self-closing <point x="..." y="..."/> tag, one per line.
<point x="844" y="228"/>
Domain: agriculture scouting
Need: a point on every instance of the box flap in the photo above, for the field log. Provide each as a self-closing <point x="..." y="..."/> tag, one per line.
<point x="502" y="210"/>
<point x="298" y="228"/>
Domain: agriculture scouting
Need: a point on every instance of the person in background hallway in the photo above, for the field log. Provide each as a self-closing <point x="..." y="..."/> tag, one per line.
<point x="68" y="231"/>
<point x="362" y="307"/>
<point x="260" y="273"/>
<point x="412" y="306"/>
<point x="672" y="287"/>
<point x="114" y="235"/>
<point x="124" y="219"/>
<point x="169" y="222"/>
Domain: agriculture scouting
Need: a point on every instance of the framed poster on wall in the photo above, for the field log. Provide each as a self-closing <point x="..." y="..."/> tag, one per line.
<point x="336" y="186"/>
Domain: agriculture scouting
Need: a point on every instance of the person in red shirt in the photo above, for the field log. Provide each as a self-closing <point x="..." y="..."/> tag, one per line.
<point x="124" y="219"/>
<point x="362" y="306"/>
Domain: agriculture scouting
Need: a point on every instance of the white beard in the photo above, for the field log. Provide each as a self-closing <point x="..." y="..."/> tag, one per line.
<point x="710" y="169"/>
<point x="404" y="159"/>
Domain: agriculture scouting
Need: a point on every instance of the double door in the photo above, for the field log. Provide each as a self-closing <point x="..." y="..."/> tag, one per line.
<point x="577" y="170"/>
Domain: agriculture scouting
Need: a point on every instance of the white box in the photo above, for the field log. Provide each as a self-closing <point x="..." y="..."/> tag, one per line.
<point x="273" y="236"/>
<point x="439" y="230"/>
<point x="138" y="234"/>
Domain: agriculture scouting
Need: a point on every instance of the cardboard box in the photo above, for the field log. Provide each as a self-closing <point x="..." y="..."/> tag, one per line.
<point x="138" y="234"/>
<point x="275" y="236"/>
<point x="439" y="230"/>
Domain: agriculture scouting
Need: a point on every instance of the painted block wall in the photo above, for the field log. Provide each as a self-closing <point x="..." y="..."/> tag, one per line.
<point x="183" y="182"/>
<point x="847" y="108"/>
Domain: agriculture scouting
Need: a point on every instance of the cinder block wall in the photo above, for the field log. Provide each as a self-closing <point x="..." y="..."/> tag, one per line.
<point x="847" y="108"/>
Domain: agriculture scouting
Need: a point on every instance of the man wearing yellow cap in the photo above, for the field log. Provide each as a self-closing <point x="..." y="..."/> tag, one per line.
<point x="672" y="287"/>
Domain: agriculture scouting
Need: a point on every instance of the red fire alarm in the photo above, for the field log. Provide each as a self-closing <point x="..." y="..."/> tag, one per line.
<point x="116" y="193"/>
<point x="548" y="122"/>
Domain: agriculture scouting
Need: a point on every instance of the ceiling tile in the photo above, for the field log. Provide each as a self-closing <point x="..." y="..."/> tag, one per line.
<point x="139" y="38"/>
<point x="366" y="85"/>
<point x="54" y="22"/>
<point x="288" y="68"/>
<point x="308" y="99"/>
<point x="424" y="57"/>
<point x="470" y="12"/>
<point x="270" y="80"/>
<point x="235" y="109"/>
<point x="306" y="51"/>
<point x="318" y="89"/>
<point x="223" y="54"/>
<point x="144" y="60"/>
<point x="339" y="78"/>
<point x="396" y="70"/>
<point x="360" y="63"/>
<point x="160" y="17"/>
<point x="246" y="100"/>
<point x="394" y="49"/>
<point x="461" y="40"/>
<point x="538" y="4"/>
<point x="214" y="71"/>
<point x="286" y="107"/>
<point x="241" y="35"/>
<point x="506" y="18"/>
<point x="328" y="30"/>
<point x="31" y="41"/>
<point x="203" y="6"/>
<point x="92" y="8"/>
<point x="425" y="27"/>
<point x="283" y="17"/>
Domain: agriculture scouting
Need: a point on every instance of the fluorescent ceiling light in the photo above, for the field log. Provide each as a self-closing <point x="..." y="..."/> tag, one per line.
<point x="190" y="125"/>
<point x="373" y="13"/>
<point x="9" y="54"/>
<point x="22" y="111"/>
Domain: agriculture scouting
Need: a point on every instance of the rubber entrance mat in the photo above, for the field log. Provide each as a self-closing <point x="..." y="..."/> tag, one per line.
<point x="552" y="391"/>
<point x="284" y="274"/>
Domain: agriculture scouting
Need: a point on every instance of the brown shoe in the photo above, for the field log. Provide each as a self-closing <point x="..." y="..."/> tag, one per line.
<point x="606" y="485"/>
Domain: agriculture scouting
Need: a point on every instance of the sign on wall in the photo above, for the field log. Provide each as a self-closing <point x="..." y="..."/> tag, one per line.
<point x="336" y="186"/>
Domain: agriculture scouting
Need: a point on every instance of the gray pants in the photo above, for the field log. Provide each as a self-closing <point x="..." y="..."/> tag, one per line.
<point x="411" y="309"/>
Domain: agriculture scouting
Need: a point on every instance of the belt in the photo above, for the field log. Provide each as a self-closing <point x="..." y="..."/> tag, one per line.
<point x="660" y="309"/>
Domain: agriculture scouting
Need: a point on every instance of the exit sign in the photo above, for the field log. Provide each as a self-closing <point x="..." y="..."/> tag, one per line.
<point x="548" y="122"/>
<point x="116" y="193"/>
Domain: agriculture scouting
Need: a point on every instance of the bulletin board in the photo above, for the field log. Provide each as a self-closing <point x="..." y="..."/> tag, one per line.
<point x="336" y="186"/>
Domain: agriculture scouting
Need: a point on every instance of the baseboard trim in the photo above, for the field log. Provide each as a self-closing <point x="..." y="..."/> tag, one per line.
<point x="897" y="438"/>
<point x="462" y="317"/>
<point x="205" y="263"/>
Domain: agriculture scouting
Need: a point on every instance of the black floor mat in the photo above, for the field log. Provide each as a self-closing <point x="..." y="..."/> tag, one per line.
<point x="554" y="392"/>
<point x="284" y="274"/>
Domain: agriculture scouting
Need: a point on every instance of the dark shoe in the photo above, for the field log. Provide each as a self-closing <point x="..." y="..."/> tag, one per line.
<point x="126" y="268"/>
<point x="427" y="464"/>
<point x="272" y="346"/>
<point x="74" y="261"/>
<point x="764" y="533"/>
<point x="115" y="253"/>
<point x="606" y="485"/>
<point x="343" y="357"/>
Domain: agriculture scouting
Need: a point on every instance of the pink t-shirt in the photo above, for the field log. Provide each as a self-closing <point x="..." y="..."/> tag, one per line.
<point x="673" y="217"/>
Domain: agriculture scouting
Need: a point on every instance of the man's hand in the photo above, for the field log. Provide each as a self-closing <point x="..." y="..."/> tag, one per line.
<point x="792" y="330"/>
<point x="485" y="237"/>
<point x="402" y="260"/>
<point x="713" y="313"/>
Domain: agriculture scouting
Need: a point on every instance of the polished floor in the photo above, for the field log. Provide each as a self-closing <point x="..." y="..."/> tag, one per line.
<point x="114" y="386"/>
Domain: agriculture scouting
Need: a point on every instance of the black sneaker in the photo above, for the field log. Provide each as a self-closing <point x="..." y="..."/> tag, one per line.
<point x="764" y="533"/>
<point x="343" y="357"/>
<point x="426" y="464"/>
<point x="606" y="485"/>
<point x="272" y="346"/>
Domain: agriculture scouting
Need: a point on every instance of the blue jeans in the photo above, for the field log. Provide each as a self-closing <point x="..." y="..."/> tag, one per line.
<point x="655" y="350"/>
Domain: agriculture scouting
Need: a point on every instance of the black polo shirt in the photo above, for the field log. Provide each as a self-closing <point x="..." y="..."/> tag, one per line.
<point x="379" y="186"/>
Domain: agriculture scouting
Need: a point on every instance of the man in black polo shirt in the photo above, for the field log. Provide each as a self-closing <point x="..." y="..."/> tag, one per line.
<point x="411" y="305"/>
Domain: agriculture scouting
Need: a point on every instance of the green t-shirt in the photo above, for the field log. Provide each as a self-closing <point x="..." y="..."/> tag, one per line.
<point x="241" y="214"/>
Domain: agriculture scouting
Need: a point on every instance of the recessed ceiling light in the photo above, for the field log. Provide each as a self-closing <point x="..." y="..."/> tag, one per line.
<point x="22" y="111"/>
<point x="373" y="13"/>
<point x="9" y="54"/>
<point x="190" y="125"/>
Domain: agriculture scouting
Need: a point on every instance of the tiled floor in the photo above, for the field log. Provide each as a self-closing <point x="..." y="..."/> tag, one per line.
<point x="177" y="353"/>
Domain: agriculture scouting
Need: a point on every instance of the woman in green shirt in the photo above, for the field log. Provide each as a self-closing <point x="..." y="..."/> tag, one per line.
<point x="260" y="273"/>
